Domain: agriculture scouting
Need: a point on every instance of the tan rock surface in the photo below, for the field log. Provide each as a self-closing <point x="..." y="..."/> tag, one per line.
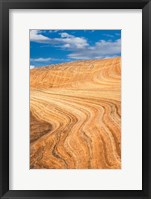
<point x="76" y="115"/>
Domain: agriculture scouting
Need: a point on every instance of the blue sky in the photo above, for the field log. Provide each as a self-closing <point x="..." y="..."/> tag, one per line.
<point x="57" y="46"/>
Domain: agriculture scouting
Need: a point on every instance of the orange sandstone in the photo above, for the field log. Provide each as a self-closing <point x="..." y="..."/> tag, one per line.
<point x="75" y="115"/>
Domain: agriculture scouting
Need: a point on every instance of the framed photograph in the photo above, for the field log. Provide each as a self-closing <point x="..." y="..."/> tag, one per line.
<point x="75" y="99"/>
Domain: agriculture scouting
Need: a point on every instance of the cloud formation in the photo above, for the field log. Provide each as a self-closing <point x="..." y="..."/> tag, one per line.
<point x="36" y="36"/>
<point x="76" y="47"/>
<point x="40" y="59"/>
<point x="101" y="49"/>
<point x="64" y="41"/>
<point x="72" y="42"/>
<point x="32" y="66"/>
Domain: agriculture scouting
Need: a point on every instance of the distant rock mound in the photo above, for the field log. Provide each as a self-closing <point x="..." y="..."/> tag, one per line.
<point x="74" y="74"/>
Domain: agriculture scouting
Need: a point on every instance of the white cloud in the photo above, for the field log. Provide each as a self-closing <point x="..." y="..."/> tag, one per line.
<point x="67" y="46"/>
<point x="32" y="66"/>
<point x="40" y="59"/>
<point x="108" y="57"/>
<point x="79" y="46"/>
<point x="73" y="42"/>
<point x="65" y="41"/>
<point x="101" y="49"/>
<point x="109" y="47"/>
<point x="37" y="37"/>
<point x="64" y="34"/>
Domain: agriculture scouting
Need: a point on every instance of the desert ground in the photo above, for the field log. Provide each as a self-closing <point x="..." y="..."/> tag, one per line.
<point x="75" y="115"/>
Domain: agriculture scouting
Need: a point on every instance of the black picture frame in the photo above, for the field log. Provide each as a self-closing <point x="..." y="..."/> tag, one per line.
<point x="5" y="5"/>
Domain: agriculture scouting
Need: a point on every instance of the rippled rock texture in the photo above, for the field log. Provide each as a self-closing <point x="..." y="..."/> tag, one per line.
<point x="75" y="115"/>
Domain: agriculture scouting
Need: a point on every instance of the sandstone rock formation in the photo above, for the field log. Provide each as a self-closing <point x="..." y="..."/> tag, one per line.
<point x="75" y="115"/>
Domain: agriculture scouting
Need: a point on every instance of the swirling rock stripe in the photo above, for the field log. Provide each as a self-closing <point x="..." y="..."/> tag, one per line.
<point x="76" y="115"/>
